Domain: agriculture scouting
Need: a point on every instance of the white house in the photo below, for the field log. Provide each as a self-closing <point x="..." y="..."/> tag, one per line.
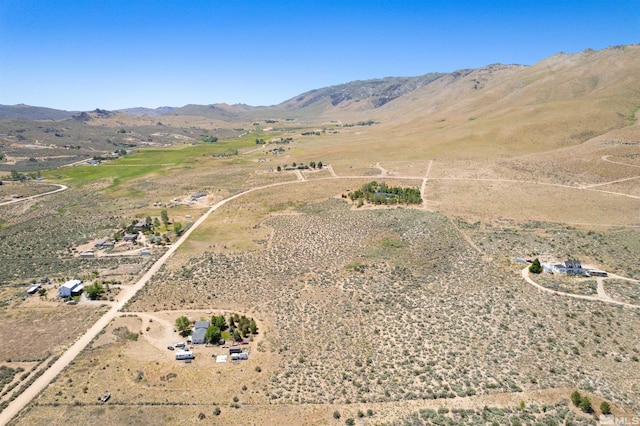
<point x="569" y="267"/>
<point x="70" y="287"/>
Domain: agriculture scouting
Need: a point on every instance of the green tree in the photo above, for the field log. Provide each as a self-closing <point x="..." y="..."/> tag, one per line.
<point x="94" y="291"/>
<point x="213" y="335"/>
<point x="605" y="407"/>
<point x="164" y="216"/>
<point x="319" y="164"/>
<point x="253" y="327"/>
<point x="183" y="325"/>
<point x="279" y="168"/>
<point x="156" y="222"/>
<point x="576" y="398"/>
<point x="236" y="335"/>
<point x="219" y="321"/>
<point x="336" y="415"/>
<point x="585" y="405"/>
<point x="177" y="228"/>
<point x="535" y="267"/>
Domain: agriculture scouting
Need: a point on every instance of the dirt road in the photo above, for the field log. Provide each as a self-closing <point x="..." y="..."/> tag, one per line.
<point x="127" y="293"/>
<point x="599" y="298"/>
<point x="17" y="200"/>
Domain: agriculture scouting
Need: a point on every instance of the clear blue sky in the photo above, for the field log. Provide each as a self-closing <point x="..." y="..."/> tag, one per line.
<point x="86" y="54"/>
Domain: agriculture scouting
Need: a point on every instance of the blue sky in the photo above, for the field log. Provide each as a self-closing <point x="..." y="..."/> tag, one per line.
<point x="86" y="54"/>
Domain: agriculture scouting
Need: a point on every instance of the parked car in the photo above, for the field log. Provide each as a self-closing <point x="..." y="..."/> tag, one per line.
<point x="170" y="348"/>
<point x="105" y="397"/>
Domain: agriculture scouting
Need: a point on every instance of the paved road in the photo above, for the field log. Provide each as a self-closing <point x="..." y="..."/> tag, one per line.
<point x="17" y="200"/>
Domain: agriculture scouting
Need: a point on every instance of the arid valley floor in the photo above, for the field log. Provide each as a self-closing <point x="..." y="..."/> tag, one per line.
<point x="370" y="314"/>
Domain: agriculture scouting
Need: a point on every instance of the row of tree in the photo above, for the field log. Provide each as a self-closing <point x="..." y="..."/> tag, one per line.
<point x="302" y="166"/>
<point x="380" y="193"/>
<point x="583" y="403"/>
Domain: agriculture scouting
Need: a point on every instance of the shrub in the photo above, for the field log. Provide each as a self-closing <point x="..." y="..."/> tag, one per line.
<point x="336" y="414"/>
<point x="605" y="407"/>
<point x="585" y="405"/>
<point x="576" y="398"/>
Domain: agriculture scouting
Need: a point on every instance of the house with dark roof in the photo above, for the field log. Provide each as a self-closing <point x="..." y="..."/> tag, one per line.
<point x="199" y="331"/>
<point x="141" y="225"/>
<point x="130" y="237"/>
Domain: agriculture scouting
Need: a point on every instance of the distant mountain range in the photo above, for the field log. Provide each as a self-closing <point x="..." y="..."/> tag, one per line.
<point x="613" y="72"/>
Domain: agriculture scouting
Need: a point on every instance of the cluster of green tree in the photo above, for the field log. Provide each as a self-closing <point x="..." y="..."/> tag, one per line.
<point x="17" y="176"/>
<point x="582" y="402"/>
<point x="230" y="153"/>
<point x="96" y="290"/>
<point x="535" y="267"/>
<point x="241" y="326"/>
<point x="150" y="227"/>
<point x="120" y="152"/>
<point x="284" y="141"/>
<point x="361" y="123"/>
<point x="302" y="166"/>
<point x="2" y="156"/>
<point x="380" y="193"/>
<point x="207" y="138"/>
<point x="71" y="146"/>
<point x="311" y="134"/>
<point x="214" y="332"/>
<point x="260" y="141"/>
<point x="270" y="121"/>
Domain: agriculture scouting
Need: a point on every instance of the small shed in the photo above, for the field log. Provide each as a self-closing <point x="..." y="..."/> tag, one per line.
<point x="235" y="349"/>
<point x="87" y="255"/>
<point x="130" y="237"/>
<point x="33" y="288"/>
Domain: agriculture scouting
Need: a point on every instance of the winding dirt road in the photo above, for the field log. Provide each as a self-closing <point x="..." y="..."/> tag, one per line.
<point x="17" y="200"/>
<point x="601" y="297"/>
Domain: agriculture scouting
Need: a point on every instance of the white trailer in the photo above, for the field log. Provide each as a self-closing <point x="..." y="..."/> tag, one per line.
<point x="180" y="355"/>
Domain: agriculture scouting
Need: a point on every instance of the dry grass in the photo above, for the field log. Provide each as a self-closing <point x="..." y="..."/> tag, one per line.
<point x="50" y="329"/>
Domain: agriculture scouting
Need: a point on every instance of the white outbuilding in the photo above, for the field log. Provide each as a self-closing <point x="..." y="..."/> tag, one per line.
<point x="70" y="288"/>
